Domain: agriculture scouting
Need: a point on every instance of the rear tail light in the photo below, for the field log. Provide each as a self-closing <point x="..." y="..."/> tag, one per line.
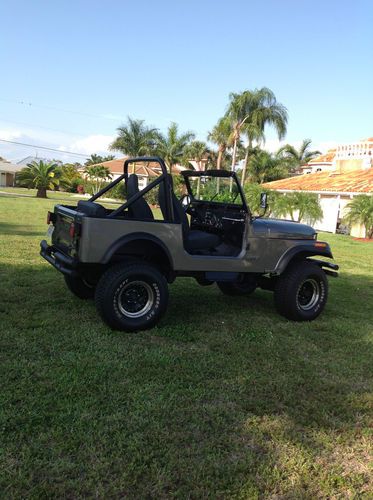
<point x="72" y="230"/>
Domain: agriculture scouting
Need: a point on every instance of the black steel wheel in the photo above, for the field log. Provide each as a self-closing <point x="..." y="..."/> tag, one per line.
<point x="80" y="287"/>
<point x="301" y="292"/>
<point x="131" y="297"/>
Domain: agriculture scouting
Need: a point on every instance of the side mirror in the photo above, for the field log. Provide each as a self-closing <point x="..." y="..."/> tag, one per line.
<point x="263" y="200"/>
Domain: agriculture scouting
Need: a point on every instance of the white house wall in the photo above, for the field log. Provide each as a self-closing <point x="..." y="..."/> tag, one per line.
<point x="330" y="208"/>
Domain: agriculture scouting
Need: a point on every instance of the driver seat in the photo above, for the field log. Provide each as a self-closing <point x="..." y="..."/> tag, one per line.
<point x="194" y="240"/>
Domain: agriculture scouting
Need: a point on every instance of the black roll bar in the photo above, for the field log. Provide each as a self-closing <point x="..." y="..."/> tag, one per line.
<point x="214" y="173"/>
<point x="164" y="177"/>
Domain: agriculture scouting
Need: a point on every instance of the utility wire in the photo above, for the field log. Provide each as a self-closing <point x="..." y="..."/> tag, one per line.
<point x="92" y="115"/>
<point x="42" y="127"/>
<point x="44" y="147"/>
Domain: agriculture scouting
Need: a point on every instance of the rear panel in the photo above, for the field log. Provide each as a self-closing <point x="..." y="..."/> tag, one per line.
<point x="64" y="237"/>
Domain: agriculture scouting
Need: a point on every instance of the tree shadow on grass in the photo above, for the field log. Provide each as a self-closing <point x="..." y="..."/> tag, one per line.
<point x="223" y="398"/>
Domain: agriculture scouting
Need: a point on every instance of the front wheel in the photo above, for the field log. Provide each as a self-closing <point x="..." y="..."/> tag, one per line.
<point x="301" y="292"/>
<point x="131" y="297"/>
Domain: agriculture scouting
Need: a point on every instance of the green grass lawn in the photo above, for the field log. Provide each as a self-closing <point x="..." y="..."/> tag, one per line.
<point x="224" y="399"/>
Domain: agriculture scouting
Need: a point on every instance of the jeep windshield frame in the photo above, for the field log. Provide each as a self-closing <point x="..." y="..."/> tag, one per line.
<point x="187" y="174"/>
<point x="163" y="177"/>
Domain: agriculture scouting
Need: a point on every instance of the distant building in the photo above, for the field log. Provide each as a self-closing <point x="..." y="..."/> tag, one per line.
<point x="8" y="172"/>
<point x="29" y="159"/>
<point x="336" y="178"/>
<point x="144" y="171"/>
<point x="320" y="163"/>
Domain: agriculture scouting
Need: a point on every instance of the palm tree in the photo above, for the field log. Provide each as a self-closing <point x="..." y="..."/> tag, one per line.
<point x="221" y="135"/>
<point x="266" y="167"/>
<point x="172" y="145"/>
<point x="96" y="159"/>
<point x="197" y="151"/>
<point x="98" y="174"/>
<point x="360" y="211"/>
<point x="135" y="138"/>
<point x="250" y="112"/>
<point x="40" y="175"/>
<point x="306" y="204"/>
<point x="301" y="156"/>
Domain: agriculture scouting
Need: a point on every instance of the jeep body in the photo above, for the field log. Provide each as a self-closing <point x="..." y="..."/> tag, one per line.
<point x="221" y="242"/>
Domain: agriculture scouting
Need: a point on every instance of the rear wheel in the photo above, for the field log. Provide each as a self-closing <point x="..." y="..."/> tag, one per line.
<point x="301" y="292"/>
<point x="131" y="297"/>
<point x="80" y="287"/>
<point x="245" y="286"/>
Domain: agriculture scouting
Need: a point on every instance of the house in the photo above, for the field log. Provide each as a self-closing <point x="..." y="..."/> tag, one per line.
<point x="8" y="172"/>
<point x="350" y="174"/>
<point x="29" y="159"/>
<point x="319" y="164"/>
<point x="145" y="170"/>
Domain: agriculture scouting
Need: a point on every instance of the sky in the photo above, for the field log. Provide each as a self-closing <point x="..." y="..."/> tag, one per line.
<point x="72" y="71"/>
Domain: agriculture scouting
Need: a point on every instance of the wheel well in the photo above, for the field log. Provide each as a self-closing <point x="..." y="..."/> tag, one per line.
<point x="299" y="256"/>
<point x="145" y="250"/>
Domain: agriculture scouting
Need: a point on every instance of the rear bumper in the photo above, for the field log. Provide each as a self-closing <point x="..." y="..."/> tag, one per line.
<point x="63" y="263"/>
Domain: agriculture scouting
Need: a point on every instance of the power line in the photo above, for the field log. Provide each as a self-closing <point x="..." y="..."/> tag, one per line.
<point x="42" y="127"/>
<point x="52" y="108"/>
<point x="44" y="147"/>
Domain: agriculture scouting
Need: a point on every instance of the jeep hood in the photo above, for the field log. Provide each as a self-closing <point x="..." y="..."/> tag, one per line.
<point x="276" y="228"/>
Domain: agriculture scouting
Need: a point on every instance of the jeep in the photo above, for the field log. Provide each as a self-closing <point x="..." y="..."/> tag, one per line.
<point x="125" y="257"/>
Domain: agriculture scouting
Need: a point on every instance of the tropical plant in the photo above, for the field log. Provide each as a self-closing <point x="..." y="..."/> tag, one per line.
<point x="360" y="211"/>
<point x="135" y="138"/>
<point x="197" y="151"/>
<point x="40" y="175"/>
<point x="265" y="167"/>
<point x="70" y="178"/>
<point x="306" y="205"/>
<point x="252" y="195"/>
<point x="96" y="159"/>
<point x="249" y="112"/>
<point x="97" y="174"/>
<point x="221" y="135"/>
<point x="298" y="157"/>
<point x="171" y="147"/>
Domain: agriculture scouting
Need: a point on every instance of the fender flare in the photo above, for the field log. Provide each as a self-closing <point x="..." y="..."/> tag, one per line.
<point x="114" y="247"/>
<point x="301" y="250"/>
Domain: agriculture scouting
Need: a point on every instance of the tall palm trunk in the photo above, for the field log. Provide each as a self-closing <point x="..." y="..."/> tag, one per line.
<point x="234" y="153"/>
<point x="220" y="157"/>
<point x="244" y="169"/>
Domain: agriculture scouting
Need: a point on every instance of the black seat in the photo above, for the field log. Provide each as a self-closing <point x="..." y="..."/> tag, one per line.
<point x="139" y="209"/>
<point x="91" y="209"/>
<point x="194" y="239"/>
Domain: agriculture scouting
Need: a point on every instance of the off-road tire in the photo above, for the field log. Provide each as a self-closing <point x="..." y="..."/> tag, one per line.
<point x="245" y="287"/>
<point x="301" y="292"/>
<point x="131" y="297"/>
<point x="80" y="287"/>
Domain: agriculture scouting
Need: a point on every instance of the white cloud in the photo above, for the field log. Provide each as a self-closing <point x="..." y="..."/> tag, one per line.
<point x="98" y="143"/>
<point x="10" y="135"/>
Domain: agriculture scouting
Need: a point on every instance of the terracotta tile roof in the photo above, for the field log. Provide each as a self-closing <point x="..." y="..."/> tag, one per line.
<point x="358" y="181"/>
<point x="327" y="157"/>
<point x="147" y="169"/>
<point x="116" y="167"/>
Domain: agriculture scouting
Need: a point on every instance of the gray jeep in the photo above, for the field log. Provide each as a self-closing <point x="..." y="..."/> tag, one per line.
<point x="125" y="257"/>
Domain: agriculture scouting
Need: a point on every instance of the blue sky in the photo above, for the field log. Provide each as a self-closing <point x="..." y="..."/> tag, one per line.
<point x="168" y="61"/>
